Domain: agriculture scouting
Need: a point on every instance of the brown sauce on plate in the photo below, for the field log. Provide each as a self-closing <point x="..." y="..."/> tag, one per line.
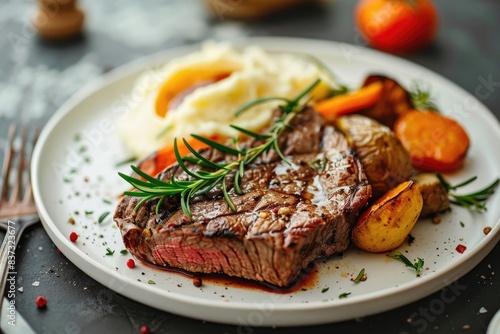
<point x="306" y="280"/>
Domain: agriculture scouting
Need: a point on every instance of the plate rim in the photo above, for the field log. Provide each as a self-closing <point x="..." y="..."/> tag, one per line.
<point x="465" y="264"/>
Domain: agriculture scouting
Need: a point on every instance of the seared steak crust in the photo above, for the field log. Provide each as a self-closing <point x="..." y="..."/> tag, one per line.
<point x="287" y="217"/>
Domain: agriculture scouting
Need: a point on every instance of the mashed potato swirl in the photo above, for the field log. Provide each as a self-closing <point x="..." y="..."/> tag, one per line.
<point x="209" y="109"/>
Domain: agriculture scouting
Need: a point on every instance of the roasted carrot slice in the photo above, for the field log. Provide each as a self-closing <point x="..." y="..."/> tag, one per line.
<point x="436" y="143"/>
<point x="348" y="103"/>
<point x="164" y="157"/>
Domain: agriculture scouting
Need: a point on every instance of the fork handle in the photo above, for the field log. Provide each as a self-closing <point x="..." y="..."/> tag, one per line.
<point x="9" y="241"/>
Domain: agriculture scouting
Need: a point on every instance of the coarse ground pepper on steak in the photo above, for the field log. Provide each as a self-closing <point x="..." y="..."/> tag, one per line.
<point x="288" y="216"/>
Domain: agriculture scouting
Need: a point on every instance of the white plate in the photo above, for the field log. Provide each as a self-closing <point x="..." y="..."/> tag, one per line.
<point x="494" y="326"/>
<point x="71" y="175"/>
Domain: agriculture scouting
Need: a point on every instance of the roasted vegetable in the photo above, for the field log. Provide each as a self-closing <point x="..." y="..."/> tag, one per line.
<point x="380" y="98"/>
<point x="164" y="157"/>
<point x="436" y="143"/>
<point x="385" y="225"/>
<point x="394" y="101"/>
<point x="434" y="194"/>
<point x="384" y="159"/>
<point x="183" y="82"/>
<point x="344" y="104"/>
<point x="397" y="26"/>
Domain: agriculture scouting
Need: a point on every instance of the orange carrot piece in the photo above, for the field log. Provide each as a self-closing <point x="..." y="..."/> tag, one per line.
<point x="436" y="143"/>
<point x="348" y="103"/>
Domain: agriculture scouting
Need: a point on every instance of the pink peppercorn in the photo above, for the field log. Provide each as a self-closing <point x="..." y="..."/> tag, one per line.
<point x="145" y="330"/>
<point x="41" y="302"/>
<point x="73" y="236"/>
<point x="460" y="248"/>
<point x="131" y="263"/>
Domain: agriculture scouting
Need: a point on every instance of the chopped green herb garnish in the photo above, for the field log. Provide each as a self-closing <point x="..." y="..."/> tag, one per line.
<point x="344" y="295"/>
<point x="73" y="170"/>
<point x="325" y="290"/>
<point x="106" y="201"/>
<point x="123" y="251"/>
<point x="151" y="281"/>
<point x="66" y="180"/>
<point x="360" y="276"/>
<point x="125" y="161"/>
<point x="88" y="212"/>
<point x="103" y="216"/>
<point x="462" y="223"/>
<point x="87" y="159"/>
<point x="417" y="265"/>
<point x="82" y="149"/>
<point x="109" y="251"/>
<point x="77" y="137"/>
<point x="319" y="163"/>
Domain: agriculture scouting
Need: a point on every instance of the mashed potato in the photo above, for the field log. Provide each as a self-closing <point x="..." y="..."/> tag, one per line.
<point x="199" y="93"/>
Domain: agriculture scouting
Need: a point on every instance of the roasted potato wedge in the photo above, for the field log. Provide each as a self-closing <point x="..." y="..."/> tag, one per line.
<point x="385" y="225"/>
<point x="385" y="161"/>
<point x="433" y="193"/>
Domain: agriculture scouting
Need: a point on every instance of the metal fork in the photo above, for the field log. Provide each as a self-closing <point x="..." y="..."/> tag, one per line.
<point x="17" y="207"/>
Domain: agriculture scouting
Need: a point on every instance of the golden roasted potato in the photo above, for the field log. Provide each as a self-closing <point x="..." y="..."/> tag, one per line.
<point x="433" y="192"/>
<point x="385" y="225"/>
<point x="385" y="160"/>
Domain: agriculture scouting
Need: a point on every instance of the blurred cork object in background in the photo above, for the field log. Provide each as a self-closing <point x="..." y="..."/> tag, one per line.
<point x="251" y="9"/>
<point x="58" y="19"/>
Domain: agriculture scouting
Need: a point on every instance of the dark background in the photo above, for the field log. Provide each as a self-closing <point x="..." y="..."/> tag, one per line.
<point x="36" y="77"/>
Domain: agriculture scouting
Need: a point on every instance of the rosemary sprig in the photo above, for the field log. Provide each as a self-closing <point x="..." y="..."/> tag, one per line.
<point x="215" y="174"/>
<point x="475" y="200"/>
<point x="422" y="99"/>
<point x="417" y="265"/>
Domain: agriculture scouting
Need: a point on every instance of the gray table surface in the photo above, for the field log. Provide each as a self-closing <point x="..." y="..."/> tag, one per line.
<point x="36" y="77"/>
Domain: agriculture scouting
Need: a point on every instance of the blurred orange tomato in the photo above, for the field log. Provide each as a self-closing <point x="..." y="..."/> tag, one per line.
<point x="397" y="26"/>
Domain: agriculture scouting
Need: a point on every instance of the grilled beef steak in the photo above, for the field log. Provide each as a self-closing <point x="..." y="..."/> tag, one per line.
<point x="288" y="216"/>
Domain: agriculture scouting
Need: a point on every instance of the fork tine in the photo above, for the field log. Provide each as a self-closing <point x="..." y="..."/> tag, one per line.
<point x="28" y="192"/>
<point x="7" y="162"/>
<point x="15" y="195"/>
